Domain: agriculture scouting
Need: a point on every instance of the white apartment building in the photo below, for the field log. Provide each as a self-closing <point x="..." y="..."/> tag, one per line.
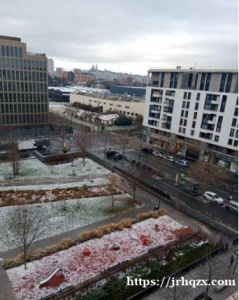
<point x="50" y="67"/>
<point x="191" y="108"/>
<point x="106" y="101"/>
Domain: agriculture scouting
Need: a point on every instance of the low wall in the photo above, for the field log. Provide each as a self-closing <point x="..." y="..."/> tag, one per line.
<point x="56" y="158"/>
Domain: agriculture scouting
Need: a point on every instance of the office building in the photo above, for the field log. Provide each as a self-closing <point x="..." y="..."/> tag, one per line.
<point x="23" y="89"/>
<point x="196" y="110"/>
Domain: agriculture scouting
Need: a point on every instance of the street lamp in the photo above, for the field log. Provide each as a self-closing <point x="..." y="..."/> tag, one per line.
<point x="236" y="253"/>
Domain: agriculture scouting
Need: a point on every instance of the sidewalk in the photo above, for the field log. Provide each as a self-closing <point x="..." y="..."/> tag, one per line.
<point x="149" y="202"/>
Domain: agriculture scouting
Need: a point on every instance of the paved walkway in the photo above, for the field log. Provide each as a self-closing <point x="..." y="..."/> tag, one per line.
<point x="149" y="202"/>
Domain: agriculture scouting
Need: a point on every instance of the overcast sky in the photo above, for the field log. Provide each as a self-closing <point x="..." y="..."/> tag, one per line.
<point x="126" y="35"/>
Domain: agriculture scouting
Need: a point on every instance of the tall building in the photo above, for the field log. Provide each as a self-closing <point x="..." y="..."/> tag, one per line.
<point x="50" y="67"/>
<point x="194" y="110"/>
<point x="23" y="89"/>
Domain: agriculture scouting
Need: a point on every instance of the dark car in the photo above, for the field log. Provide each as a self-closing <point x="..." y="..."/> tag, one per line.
<point x="111" y="153"/>
<point x="118" y="156"/>
<point x="147" y="150"/>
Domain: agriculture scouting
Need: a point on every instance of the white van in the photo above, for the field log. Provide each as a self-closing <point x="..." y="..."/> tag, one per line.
<point x="233" y="205"/>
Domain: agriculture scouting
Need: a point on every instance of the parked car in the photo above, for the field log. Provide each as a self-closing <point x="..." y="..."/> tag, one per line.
<point x="118" y="156"/>
<point x="213" y="197"/>
<point x="233" y="205"/>
<point x="111" y="153"/>
<point x="169" y="157"/>
<point x="181" y="163"/>
<point x="147" y="150"/>
<point x="158" y="153"/>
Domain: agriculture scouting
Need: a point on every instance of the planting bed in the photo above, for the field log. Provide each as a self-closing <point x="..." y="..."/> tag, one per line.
<point x="77" y="266"/>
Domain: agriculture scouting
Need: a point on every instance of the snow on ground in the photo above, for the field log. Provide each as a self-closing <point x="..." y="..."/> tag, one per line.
<point x="79" y="212"/>
<point x="35" y="168"/>
<point x="78" y="268"/>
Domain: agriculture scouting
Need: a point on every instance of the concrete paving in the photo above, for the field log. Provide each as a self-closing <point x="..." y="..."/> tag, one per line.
<point x="149" y="202"/>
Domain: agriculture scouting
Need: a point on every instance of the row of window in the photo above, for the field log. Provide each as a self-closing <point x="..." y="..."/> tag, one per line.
<point x="23" y="64"/>
<point x="23" y="87"/>
<point x="23" y="75"/>
<point x="24" y="97"/>
<point x="23" y="119"/>
<point x="22" y="108"/>
<point x="11" y="51"/>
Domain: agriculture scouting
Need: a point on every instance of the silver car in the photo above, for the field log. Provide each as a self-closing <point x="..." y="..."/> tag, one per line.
<point x="211" y="196"/>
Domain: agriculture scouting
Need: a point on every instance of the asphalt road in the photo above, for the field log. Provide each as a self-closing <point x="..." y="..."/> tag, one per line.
<point x="104" y="141"/>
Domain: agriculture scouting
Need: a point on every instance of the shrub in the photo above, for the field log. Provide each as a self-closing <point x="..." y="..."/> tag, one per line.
<point x="127" y="223"/>
<point x="66" y="243"/>
<point x="38" y="253"/>
<point x="162" y="212"/>
<point x="154" y="214"/>
<point x="99" y="233"/>
<point x="143" y="216"/>
<point x="119" y="227"/>
<point x="87" y="235"/>
<point x="8" y="263"/>
<point x="51" y="249"/>
<point x="106" y="228"/>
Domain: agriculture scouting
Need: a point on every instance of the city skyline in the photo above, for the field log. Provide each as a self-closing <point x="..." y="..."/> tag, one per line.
<point x="128" y="38"/>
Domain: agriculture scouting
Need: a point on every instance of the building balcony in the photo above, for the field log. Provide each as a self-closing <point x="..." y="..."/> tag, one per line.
<point x="157" y="95"/>
<point x="166" y="126"/>
<point x="205" y="135"/>
<point x="155" y="111"/>
<point x="207" y="126"/>
<point x="211" y="107"/>
<point x="156" y="100"/>
<point x="155" y="116"/>
<point x="168" y="109"/>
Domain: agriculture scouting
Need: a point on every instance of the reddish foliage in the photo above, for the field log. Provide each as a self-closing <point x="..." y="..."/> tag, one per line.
<point x="182" y="231"/>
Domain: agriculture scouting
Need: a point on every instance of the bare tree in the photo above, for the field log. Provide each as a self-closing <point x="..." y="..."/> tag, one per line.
<point x="123" y="141"/>
<point x="210" y="270"/>
<point x="83" y="141"/>
<point x="136" y="173"/>
<point x="13" y="155"/>
<point x="206" y="173"/>
<point x="112" y="179"/>
<point x="26" y="225"/>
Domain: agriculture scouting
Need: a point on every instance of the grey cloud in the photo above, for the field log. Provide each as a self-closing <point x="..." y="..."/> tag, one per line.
<point x="78" y="30"/>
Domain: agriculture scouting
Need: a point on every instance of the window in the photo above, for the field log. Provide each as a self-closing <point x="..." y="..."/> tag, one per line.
<point x="162" y="79"/>
<point x="180" y="129"/>
<point x="236" y="112"/>
<point x="182" y="113"/>
<point x="235" y="143"/>
<point x="234" y="122"/>
<point x="229" y="142"/>
<point x="184" y="130"/>
<point x="181" y="122"/>
<point x="192" y="132"/>
<point x="198" y="96"/>
<point x="195" y="115"/>
<point x="216" y="138"/>
<point x="196" y="106"/>
<point x="188" y="105"/>
<point x="223" y="103"/>
<point x="232" y="131"/>
<point x="185" y="122"/>
<point x="185" y="95"/>
<point x="193" y="124"/>
<point x="190" y="79"/>
<point x="186" y="113"/>
<point x="184" y="104"/>
<point x="189" y="95"/>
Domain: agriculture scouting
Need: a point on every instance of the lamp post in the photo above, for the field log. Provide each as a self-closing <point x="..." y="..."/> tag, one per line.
<point x="140" y="147"/>
<point x="236" y="253"/>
